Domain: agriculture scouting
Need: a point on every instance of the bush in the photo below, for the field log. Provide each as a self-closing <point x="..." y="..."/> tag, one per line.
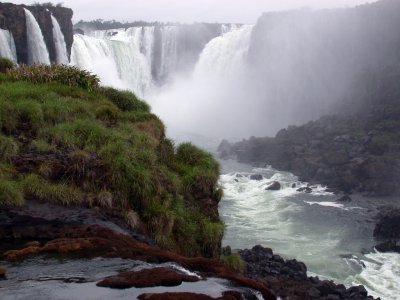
<point x="6" y="65"/>
<point x="233" y="261"/>
<point x="10" y="194"/>
<point x="68" y="75"/>
<point x="125" y="100"/>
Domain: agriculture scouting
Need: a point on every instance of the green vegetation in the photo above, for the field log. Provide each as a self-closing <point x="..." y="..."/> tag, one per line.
<point x="233" y="261"/>
<point x="5" y="65"/>
<point x="65" y="140"/>
<point x="67" y="75"/>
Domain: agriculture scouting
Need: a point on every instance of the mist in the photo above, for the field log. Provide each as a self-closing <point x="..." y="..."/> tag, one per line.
<point x="188" y="11"/>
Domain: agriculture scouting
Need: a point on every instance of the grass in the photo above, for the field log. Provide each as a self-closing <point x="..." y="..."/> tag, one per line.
<point x="103" y="147"/>
<point x="233" y="261"/>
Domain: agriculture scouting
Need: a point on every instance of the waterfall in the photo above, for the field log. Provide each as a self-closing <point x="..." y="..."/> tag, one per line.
<point x="59" y="42"/>
<point x="169" y="53"/>
<point x="225" y="54"/>
<point x="122" y="58"/>
<point x="7" y="45"/>
<point x="37" y="50"/>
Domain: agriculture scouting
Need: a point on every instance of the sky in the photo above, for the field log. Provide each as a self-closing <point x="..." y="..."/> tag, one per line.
<point x="187" y="11"/>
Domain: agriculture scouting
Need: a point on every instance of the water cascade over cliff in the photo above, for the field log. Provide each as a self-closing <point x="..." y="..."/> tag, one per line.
<point x="140" y="58"/>
<point x="37" y="50"/>
<point x="59" y="42"/>
<point x="7" y="45"/>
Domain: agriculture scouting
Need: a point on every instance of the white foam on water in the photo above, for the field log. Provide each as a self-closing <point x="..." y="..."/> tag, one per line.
<point x="381" y="275"/>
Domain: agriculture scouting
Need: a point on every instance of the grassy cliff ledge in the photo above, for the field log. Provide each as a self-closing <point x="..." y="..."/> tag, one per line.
<point x="65" y="140"/>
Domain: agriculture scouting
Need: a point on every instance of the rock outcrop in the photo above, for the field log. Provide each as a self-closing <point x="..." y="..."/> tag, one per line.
<point x="12" y="18"/>
<point x="288" y="278"/>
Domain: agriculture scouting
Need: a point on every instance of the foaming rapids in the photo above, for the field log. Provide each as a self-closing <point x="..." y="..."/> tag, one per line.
<point x="315" y="227"/>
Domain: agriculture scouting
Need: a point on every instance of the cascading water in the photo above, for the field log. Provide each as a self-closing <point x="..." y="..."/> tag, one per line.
<point x="59" y="42"/>
<point x="122" y="58"/>
<point x="37" y="50"/>
<point x="7" y="45"/>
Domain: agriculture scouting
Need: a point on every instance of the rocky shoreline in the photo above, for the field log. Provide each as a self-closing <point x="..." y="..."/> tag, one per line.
<point x="79" y="233"/>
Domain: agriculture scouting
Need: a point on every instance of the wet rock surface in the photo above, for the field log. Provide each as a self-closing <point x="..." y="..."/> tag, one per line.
<point x="388" y="224"/>
<point x="191" y="296"/>
<point x="147" y="278"/>
<point x="79" y="234"/>
<point x="3" y="273"/>
<point x="288" y="278"/>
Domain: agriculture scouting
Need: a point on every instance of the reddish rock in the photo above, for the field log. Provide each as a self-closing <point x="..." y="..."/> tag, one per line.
<point x="3" y="273"/>
<point x="231" y="295"/>
<point x="33" y="244"/>
<point x="147" y="278"/>
<point x="21" y="254"/>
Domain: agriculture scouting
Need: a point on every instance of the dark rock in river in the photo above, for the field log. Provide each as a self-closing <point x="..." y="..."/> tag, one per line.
<point x="273" y="186"/>
<point x="345" y="198"/>
<point x="307" y="190"/>
<point x="388" y="225"/>
<point x="389" y="246"/>
<point x="288" y="278"/>
<point x="257" y="177"/>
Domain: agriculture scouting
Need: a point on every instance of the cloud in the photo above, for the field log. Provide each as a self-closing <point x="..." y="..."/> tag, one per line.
<point x="230" y="11"/>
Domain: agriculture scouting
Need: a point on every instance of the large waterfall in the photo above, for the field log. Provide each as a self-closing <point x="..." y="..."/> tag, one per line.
<point x="59" y="42"/>
<point x="140" y="58"/>
<point x="7" y="45"/>
<point x="37" y="50"/>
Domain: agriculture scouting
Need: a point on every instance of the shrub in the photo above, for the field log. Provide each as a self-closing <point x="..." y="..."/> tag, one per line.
<point x="6" y="65"/>
<point x="8" y="148"/>
<point x="61" y="193"/>
<point x="10" y="193"/>
<point x="68" y="75"/>
<point x="125" y="100"/>
<point x="233" y="261"/>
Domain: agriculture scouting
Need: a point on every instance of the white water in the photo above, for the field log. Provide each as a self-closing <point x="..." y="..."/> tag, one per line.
<point x="7" y="45"/>
<point x="37" y="50"/>
<point x="330" y="237"/>
<point x="122" y="58"/>
<point x="195" y="102"/>
<point x="59" y="42"/>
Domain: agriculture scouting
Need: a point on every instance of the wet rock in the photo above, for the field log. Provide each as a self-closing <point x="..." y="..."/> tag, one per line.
<point x="3" y="273"/>
<point x="256" y="177"/>
<point x="273" y="186"/>
<point x="147" y="278"/>
<point x="389" y="246"/>
<point x="307" y="190"/>
<point x="14" y="255"/>
<point x="230" y="295"/>
<point x="388" y="225"/>
<point x="345" y="198"/>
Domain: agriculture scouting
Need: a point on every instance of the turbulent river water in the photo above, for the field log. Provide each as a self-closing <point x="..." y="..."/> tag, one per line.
<point x="334" y="239"/>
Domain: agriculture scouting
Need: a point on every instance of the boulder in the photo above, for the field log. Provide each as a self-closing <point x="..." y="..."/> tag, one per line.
<point x="389" y="246"/>
<point x="147" y="278"/>
<point x="388" y="225"/>
<point x="307" y="190"/>
<point x="3" y="273"/>
<point x="257" y="177"/>
<point x="345" y="198"/>
<point x="273" y="186"/>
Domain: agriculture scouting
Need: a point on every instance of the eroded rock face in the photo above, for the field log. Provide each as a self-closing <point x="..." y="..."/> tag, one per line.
<point x="12" y="18"/>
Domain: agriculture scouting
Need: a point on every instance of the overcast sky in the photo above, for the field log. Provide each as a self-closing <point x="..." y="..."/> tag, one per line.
<point x="230" y="11"/>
